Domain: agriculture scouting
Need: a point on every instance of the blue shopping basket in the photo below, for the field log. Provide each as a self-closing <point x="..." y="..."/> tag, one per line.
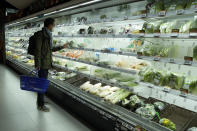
<point x="35" y="84"/>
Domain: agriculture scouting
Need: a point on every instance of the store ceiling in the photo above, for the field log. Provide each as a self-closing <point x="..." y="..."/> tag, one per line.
<point x="20" y="4"/>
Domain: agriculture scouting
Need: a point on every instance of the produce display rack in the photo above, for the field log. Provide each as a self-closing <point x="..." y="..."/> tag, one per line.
<point x="111" y="46"/>
<point x="113" y="117"/>
<point x="148" y="58"/>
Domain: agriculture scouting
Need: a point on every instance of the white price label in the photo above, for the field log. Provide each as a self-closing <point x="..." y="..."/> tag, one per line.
<point x="180" y="12"/>
<point x="193" y="34"/>
<point x="174" y="34"/>
<point x="143" y="15"/>
<point x="188" y="62"/>
<point x="165" y="89"/>
<point x="171" y="61"/>
<point x="162" y="13"/>
<point x="141" y="34"/>
<point x="156" y="34"/>
<point x="183" y="94"/>
<point x="156" y="58"/>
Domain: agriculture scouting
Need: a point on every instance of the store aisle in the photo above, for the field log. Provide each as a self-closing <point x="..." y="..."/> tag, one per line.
<point x="18" y="109"/>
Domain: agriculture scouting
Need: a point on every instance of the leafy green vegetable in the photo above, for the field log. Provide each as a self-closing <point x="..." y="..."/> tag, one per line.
<point x="195" y="53"/>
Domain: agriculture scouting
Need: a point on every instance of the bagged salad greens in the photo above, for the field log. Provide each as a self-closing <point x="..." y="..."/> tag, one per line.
<point x="181" y="4"/>
<point x="191" y="24"/>
<point x="155" y="50"/>
<point x="173" y="81"/>
<point x="151" y="27"/>
<point x="159" y="106"/>
<point x="170" y="5"/>
<point x="148" y="111"/>
<point x="195" y="53"/>
<point x="190" y="3"/>
<point x="193" y="87"/>
<point x="135" y="101"/>
<point x="156" y="7"/>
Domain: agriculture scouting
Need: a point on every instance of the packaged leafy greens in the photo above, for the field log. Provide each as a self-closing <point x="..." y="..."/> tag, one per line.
<point x="195" y="53"/>
<point x="157" y="6"/>
<point x="170" y="5"/>
<point x="181" y="4"/>
<point x="189" y="4"/>
<point x="191" y="24"/>
<point x="151" y="27"/>
<point x="155" y="50"/>
<point x="173" y="81"/>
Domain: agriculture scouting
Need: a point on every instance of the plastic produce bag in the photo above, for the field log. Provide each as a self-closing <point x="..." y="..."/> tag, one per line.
<point x="167" y="123"/>
<point x="192" y="24"/>
<point x="159" y="105"/>
<point x="157" y="6"/>
<point x="147" y="111"/>
<point x="192" y="129"/>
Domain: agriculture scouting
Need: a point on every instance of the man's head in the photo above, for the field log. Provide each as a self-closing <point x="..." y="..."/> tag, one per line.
<point x="49" y="23"/>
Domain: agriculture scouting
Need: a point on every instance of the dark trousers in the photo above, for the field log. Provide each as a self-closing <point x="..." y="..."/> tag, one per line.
<point x="42" y="73"/>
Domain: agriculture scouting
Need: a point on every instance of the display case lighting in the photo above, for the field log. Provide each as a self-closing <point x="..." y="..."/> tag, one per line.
<point x="30" y="18"/>
<point x="50" y="13"/>
<point x="86" y="3"/>
<point x="68" y="8"/>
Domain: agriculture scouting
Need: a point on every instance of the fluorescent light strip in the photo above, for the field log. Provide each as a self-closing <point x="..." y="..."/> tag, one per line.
<point x="31" y="18"/>
<point x="50" y="13"/>
<point x="86" y="3"/>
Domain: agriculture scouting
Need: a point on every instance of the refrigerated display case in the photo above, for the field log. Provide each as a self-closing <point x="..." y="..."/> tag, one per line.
<point x="128" y="66"/>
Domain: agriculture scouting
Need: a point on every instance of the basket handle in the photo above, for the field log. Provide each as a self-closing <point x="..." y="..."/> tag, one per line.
<point x="33" y="72"/>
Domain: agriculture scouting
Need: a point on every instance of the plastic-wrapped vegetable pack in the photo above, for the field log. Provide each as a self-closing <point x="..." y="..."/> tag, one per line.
<point x="155" y="50"/>
<point x="167" y="123"/>
<point x="192" y="129"/>
<point x="192" y="24"/>
<point x="152" y="27"/>
<point x="195" y="53"/>
<point x="181" y="4"/>
<point x="167" y="27"/>
<point x="157" y="6"/>
<point x="173" y="81"/>
<point x="147" y="111"/>
<point x="170" y="5"/>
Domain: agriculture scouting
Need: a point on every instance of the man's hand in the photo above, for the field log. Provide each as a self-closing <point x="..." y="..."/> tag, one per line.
<point x="65" y="45"/>
<point x="37" y="68"/>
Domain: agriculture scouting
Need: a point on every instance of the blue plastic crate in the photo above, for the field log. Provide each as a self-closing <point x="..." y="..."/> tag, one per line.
<point x="34" y="84"/>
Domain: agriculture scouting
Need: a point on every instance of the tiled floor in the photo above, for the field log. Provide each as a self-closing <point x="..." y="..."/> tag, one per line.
<point x="18" y="109"/>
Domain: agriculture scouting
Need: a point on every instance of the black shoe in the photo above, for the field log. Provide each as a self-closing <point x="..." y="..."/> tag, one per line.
<point x="46" y="102"/>
<point x="43" y="108"/>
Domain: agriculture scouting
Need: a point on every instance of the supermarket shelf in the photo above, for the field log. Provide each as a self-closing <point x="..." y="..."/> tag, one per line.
<point x="98" y="65"/>
<point x="148" y="58"/>
<point x="148" y="85"/>
<point x="170" y="91"/>
<point x="123" y="118"/>
<point x="17" y="47"/>
<point x="116" y="84"/>
<point x="142" y="35"/>
<point x="154" y="35"/>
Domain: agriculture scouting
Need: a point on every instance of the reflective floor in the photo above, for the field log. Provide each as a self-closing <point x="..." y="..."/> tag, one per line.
<point x="18" y="109"/>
